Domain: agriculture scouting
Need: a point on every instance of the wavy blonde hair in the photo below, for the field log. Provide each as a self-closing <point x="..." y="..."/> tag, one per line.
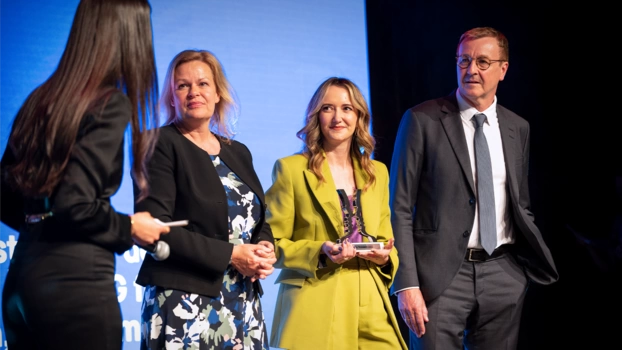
<point x="363" y="143"/>
<point x="225" y="115"/>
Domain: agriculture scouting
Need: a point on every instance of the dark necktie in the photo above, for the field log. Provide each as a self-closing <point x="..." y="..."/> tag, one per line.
<point x="485" y="190"/>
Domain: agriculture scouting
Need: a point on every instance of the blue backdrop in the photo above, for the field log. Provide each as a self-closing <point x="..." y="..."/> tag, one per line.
<point x="275" y="53"/>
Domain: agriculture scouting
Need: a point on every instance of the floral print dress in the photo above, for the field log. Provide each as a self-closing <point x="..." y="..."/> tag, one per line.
<point x="173" y="319"/>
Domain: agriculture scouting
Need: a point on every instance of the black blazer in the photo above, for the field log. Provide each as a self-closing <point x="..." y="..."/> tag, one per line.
<point x="184" y="185"/>
<point x="433" y="197"/>
<point x="81" y="200"/>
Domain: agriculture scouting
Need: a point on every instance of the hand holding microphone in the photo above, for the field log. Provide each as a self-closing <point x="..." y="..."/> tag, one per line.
<point x="146" y="233"/>
<point x="160" y="250"/>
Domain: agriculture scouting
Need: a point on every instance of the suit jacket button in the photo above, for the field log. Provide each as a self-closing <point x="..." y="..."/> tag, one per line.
<point x="472" y="201"/>
<point x="466" y="233"/>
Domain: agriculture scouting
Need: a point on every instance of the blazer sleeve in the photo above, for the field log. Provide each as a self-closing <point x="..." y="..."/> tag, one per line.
<point x="11" y="202"/>
<point x="385" y="230"/>
<point x="404" y="182"/>
<point x="300" y="255"/>
<point x="82" y="198"/>
<point x="523" y="186"/>
<point x="193" y="248"/>
<point x="265" y="234"/>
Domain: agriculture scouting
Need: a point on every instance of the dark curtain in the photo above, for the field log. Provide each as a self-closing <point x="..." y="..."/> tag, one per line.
<point x="576" y="147"/>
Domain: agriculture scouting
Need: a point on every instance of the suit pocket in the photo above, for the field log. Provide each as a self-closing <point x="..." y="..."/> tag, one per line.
<point x="290" y="277"/>
<point x="425" y="221"/>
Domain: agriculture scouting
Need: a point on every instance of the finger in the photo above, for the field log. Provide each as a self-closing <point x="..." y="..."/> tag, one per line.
<point x="404" y="316"/>
<point x="266" y="244"/>
<point x="265" y="256"/>
<point x="376" y="255"/>
<point x="327" y="247"/>
<point x="336" y="250"/>
<point x="419" y="326"/>
<point x="265" y="272"/>
<point x="349" y="256"/>
<point x="363" y="254"/>
<point x="349" y="252"/>
<point x="264" y="249"/>
<point x="412" y="327"/>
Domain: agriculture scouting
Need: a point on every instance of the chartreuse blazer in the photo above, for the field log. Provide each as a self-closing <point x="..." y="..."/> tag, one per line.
<point x="303" y="213"/>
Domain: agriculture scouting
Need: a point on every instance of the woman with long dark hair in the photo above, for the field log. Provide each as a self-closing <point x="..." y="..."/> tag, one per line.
<point x="62" y="163"/>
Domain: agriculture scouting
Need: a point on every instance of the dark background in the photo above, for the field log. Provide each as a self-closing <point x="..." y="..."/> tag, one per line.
<point x="554" y="81"/>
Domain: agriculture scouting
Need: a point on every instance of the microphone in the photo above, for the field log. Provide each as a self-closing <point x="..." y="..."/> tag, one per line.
<point x="160" y="250"/>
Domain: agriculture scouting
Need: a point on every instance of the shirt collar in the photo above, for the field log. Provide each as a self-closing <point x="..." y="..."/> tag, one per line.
<point x="467" y="111"/>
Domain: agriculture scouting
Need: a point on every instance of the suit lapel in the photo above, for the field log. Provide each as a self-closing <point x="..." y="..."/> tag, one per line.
<point x="326" y="196"/>
<point x="452" y="123"/>
<point x="509" y="142"/>
<point x="234" y="162"/>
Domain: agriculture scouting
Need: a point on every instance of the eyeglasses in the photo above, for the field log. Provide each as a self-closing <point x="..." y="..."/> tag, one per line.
<point x="482" y="63"/>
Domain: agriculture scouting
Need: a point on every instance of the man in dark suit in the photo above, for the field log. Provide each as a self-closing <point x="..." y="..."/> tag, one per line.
<point x="457" y="286"/>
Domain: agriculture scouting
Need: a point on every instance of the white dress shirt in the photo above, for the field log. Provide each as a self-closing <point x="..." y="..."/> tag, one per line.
<point x="493" y="138"/>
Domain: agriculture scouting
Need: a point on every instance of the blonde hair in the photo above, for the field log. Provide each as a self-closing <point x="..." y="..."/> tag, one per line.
<point x="363" y="142"/>
<point x="223" y="121"/>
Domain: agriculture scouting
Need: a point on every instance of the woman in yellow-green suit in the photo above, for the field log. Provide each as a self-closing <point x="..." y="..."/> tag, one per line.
<point x="321" y="202"/>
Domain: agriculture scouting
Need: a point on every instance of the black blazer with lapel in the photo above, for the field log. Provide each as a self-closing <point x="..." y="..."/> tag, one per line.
<point x="184" y="185"/>
<point x="433" y="197"/>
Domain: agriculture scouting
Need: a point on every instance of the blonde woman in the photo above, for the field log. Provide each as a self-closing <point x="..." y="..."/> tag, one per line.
<point x="323" y="201"/>
<point x="206" y="294"/>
